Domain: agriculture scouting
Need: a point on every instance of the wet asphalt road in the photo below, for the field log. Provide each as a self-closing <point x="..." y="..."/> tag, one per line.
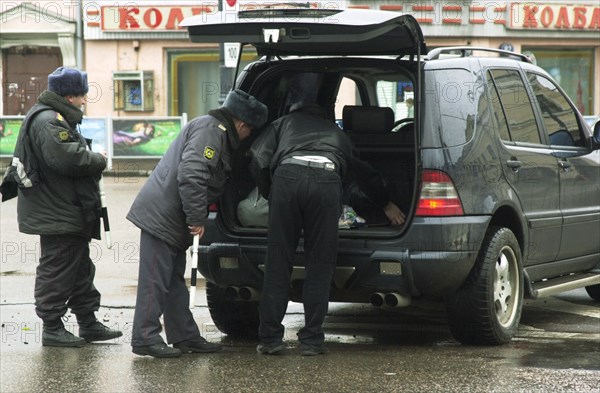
<point x="372" y="350"/>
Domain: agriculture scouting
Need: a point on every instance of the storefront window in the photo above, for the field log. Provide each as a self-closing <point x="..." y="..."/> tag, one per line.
<point x="194" y="82"/>
<point x="573" y="70"/>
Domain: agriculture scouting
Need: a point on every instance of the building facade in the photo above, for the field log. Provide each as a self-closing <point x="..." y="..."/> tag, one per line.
<point x="140" y="63"/>
<point x="563" y="37"/>
<point x="35" y="39"/>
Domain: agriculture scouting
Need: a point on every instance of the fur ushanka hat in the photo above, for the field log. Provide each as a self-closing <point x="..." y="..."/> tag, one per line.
<point x="246" y="108"/>
<point x="66" y="81"/>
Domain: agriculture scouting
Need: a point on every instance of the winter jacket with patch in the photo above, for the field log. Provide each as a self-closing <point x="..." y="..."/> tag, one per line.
<point x="188" y="178"/>
<point x="66" y="199"/>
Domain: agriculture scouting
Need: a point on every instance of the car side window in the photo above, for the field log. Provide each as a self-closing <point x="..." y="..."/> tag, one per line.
<point x="560" y="120"/>
<point x="516" y="105"/>
<point x="397" y="93"/>
<point x="348" y="94"/>
<point x="497" y="111"/>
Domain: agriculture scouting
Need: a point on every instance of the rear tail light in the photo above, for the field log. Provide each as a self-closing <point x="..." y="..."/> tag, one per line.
<point x="213" y="207"/>
<point x="438" y="196"/>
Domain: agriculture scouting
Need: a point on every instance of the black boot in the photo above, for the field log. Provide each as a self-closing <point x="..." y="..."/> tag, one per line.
<point x="198" y="345"/>
<point x="55" y="335"/>
<point x="90" y="329"/>
<point x="160" y="350"/>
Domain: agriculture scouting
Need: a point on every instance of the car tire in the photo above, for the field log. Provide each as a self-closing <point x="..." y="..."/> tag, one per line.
<point x="234" y="318"/>
<point x="594" y="291"/>
<point x="486" y="310"/>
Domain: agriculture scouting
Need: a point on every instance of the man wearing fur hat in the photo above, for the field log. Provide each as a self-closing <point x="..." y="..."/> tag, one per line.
<point x="170" y="209"/>
<point x="58" y="199"/>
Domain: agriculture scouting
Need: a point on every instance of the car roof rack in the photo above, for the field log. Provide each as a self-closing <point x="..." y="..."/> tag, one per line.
<point x="435" y="53"/>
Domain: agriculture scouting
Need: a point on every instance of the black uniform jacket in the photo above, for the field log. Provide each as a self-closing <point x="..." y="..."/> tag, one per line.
<point x="66" y="199"/>
<point x="297" y="134"/>
<point x="188" y="178"/>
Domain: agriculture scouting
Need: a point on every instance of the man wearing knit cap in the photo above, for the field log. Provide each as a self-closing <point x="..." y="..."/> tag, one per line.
<point x="170" y="209"/>
<point x="58" y="199"/>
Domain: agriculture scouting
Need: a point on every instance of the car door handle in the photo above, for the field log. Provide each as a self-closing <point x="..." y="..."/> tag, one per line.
<point x="514" y="164"/>
<point x="564" y="164"/>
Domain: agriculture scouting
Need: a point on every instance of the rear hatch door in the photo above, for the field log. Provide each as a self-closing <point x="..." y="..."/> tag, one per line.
<point x="312" y="32"/>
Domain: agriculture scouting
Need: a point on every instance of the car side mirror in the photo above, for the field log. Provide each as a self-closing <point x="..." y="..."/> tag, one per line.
<point x="596" y="135"/>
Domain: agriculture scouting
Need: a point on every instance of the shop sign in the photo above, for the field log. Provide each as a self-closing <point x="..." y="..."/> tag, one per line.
<point x="161" y="18"/>
<point x="149" y="18"/>
<point x="540" y="16"/>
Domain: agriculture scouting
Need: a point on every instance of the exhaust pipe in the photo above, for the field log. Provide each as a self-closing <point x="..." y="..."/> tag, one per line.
<point x="377" y="299"/>
<point x="248" y="294"/>
<point x="231" y="293"/>
<point x="396" y="300"/>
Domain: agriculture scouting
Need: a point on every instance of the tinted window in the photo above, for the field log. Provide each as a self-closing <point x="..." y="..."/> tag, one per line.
<point x="450" y="105"/>
<point x="559" y="119"/>
<point x="517" y="106"/>
<point x="498" y="112"/>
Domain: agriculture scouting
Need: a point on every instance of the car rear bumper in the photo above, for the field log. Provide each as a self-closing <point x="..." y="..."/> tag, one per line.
<point x="431" y="259"/>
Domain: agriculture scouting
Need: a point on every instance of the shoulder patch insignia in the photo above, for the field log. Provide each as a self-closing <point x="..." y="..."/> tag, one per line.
<point x="209" y="152"/>
<point x="222" y="127"/>
<point x="63" y="136"/>
<point x="59" y="117"/>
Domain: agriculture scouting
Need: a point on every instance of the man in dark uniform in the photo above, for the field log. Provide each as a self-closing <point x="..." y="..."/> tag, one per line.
<point x="306" y="156"/>
<point x="171" y="208"/>
<point x="58" y="199"/>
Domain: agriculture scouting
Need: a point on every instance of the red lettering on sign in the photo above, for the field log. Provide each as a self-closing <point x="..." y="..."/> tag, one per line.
<point x="202" y="10"/>
<point x="231" y="3"/>
<point x="148" y="18"/>
<point x="579" y="15"/>
<point x="547" y="16"/>
<point x="555" y="16"/>
<point x="530" y="19"/>
<point x="176" y="15"/>
<point x="563" y="19"/>
<point x="595" y="23"/>
<point x="126" y="18"/>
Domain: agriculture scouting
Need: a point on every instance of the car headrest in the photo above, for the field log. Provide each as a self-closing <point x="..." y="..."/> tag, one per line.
<point x="368" y="119"/>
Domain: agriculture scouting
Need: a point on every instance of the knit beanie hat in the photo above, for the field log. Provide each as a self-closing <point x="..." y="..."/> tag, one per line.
<point x="246" y="108"/>
<point x="68" y="82"/>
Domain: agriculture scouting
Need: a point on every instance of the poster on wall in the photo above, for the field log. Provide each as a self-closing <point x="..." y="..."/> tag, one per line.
<point x="144" y="137"/>
<point x="92" y="128"/>
<point x="95" y="129"/>
<point x="131" y="137"/>
<point x="9" y="131"/>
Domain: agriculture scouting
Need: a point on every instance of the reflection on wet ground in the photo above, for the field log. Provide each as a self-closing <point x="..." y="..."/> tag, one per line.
<point x="372" y="350"/>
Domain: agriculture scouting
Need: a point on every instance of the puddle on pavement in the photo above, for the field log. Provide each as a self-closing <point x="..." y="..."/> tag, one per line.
<point x="560" y="354"/>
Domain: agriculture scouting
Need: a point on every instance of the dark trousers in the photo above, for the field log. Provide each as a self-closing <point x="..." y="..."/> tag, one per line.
<point x="65" y="278"/>
<point x="306" y="199"/>
<point x="161" y="290"/>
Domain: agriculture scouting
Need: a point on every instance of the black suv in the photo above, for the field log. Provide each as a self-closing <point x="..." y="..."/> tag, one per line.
<point x="496" y="170"/>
